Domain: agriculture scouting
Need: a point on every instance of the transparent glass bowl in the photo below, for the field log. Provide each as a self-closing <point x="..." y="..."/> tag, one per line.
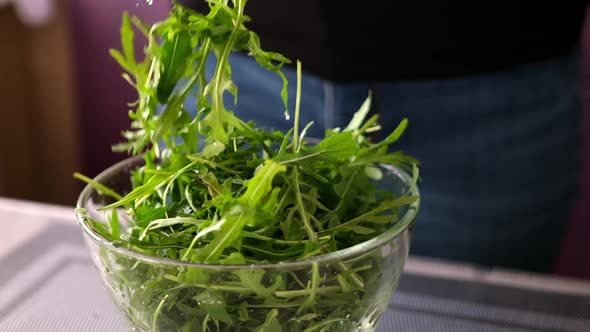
<point x="347" y="290"/>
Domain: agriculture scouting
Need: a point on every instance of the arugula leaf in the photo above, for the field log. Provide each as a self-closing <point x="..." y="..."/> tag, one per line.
<point x="395" y="135"/>
<point x="114" y="225"/>
<point x="261" y="184"/>
<point x="213" y="302"/>
<point x="144" y="214"/>
<point x="127" y="37"/>
<point x="253" y="279"/>
<point x="160" y="223"/>
<point x="174" y="54"/>
<point x="265" y="59"/>
<point x="230" y="227"/>
<point x="271" y="323"/>
<point x="340" y="146"/>
<point x="359" y="116"/>
<point x="102" y="189"/>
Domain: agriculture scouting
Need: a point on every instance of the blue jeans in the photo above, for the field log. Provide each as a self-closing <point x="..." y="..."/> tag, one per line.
<point x="498" y="152"/>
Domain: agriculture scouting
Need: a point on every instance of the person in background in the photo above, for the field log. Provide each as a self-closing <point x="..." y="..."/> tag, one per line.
<point x="492" y="92"/>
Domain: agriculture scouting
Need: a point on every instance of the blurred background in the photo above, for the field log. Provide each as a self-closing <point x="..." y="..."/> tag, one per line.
<point x="64" y="104"/>
<point x="64" y="101"/>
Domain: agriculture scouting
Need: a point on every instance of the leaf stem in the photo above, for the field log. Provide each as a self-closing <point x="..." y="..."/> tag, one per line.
<point x="157" y="313"/>
<point x="313" y="236"/>
<point x="98" y="186"/>
<point x="297" y="110"/>
<point x="279" y="241"/>
<point x="315" y="280"/>
<point x="400" y="201"/>
<point x="168" y="116"/>
<point x="217" y="97"/>
<point x="304" y="292"/>
<point x="224" y="288"/>
<point x="353" y="277"/>
<point x="323" y="324"/>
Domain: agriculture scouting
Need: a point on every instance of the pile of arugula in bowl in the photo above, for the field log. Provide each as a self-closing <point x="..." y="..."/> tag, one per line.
<point x="217" y="190"/>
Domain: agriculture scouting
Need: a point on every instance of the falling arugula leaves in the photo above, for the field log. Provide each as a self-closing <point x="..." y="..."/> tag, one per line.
<point x="215" y="189"/>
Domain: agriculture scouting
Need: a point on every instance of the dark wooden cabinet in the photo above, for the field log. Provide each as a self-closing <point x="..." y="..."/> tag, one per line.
<point x="38" y="122"/>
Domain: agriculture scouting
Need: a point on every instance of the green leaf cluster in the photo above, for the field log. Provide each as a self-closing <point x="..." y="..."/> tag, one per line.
<point x="217" y="190"/>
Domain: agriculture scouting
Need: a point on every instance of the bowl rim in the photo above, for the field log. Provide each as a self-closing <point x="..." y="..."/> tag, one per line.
<point x="396" y="230"/>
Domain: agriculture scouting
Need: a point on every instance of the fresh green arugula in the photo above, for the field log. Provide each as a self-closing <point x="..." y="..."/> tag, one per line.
<point x="216" y="189"/>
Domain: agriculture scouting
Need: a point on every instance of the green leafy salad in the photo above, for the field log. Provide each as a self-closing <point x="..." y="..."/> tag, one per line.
<point x="215" y="189"/>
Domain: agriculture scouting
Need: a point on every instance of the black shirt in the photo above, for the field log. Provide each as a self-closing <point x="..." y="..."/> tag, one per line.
<point x="417" y="39"/>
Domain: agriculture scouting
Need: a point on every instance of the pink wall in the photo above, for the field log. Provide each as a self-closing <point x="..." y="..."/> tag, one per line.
<point x="102" y="93"/>
<point x="575" y="258"/>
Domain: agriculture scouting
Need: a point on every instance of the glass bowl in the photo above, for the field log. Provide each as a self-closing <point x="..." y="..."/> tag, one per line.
<point x="347" y="290"/>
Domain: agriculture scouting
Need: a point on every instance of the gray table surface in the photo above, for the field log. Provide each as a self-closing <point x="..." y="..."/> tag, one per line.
<point x="47" y="283"/>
